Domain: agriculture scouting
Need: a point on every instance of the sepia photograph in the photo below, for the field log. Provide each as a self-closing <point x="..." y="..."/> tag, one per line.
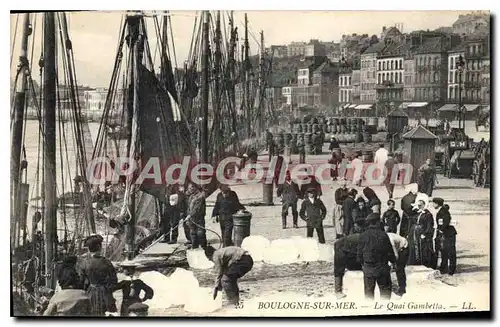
<point x="228" y="163"/>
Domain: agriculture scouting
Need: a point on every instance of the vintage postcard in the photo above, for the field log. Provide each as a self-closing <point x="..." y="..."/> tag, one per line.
<point x="208" y="163"/>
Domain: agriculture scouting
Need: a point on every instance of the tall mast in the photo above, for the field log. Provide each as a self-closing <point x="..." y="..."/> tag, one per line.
<point x="205" y="87"/>
<point x="49" y="104"/>
<point x="262" y="84"/>
<point x="217" y="70"/>
<point x="246" y="64"/>
<point x="232" y="75"/>
<point x="136" y="47"/>
<point x="17" y="129"/>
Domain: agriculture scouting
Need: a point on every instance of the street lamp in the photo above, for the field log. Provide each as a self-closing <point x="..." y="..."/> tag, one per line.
<point x="460" y="65"/>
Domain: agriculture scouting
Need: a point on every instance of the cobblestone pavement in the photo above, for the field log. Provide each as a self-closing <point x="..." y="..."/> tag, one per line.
<point x="469" y="206"/>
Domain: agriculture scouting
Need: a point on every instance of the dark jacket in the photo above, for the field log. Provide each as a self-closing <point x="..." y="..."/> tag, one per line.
<point x="348" y="245"/>
<point x="197" y="206"/>
<point x="443" y="219"/>
<point x="389" y="166"/>
<point x="333" y="145"/>
<point x="289" y="191"/>
<point x="340" y="195"/>
<point x="359" y="215"/>
<point x="313" y="213"/>
<point x="348" y="207"/>
<point x="406" y="204"/>
<point x="228" y="205"/>
<point x="375" y="247"/>
<point x="391" y="219"/>
<point x="425" y="223"/>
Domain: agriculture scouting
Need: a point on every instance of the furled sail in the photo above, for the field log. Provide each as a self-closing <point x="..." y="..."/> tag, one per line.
<point x="164" y="135"/>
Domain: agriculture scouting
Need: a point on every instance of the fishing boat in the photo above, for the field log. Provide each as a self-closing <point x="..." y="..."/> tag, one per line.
<point x="46" y="233"/>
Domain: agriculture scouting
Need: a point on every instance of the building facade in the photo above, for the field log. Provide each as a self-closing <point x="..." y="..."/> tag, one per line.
<point x="345" y="86"/>
<point x="409" y="79"/>
<point x="453" y="73"/>
<point x="476" y="50"/>
<point x="390" y="73"/>
<point x="431" y="71"/>
<point x="356" y="86"/>
<point x="278" y="51"/>
<point x="368" y="93"/>
<point x="467" y="24"/>
<point x="325" y="85"/>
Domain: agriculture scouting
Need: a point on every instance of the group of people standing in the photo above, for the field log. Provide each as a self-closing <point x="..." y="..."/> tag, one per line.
<point x="371" y="242"/>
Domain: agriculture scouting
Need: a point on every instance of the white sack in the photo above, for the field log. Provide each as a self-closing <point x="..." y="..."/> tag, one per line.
<point x="198" y="260"/>
<point x="201" y="301"/>
<point x="161" y="286"/>
<point x="183" y="285"/>
<point x="257" y="246"/>
<point x="326" y="252"/>
<point x="308" y="248"/>
<point x="282" y="251"/>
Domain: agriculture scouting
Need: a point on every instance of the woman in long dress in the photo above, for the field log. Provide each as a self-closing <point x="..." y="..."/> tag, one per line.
<point x="421" y="234"/>
<point x="99" y="278"/>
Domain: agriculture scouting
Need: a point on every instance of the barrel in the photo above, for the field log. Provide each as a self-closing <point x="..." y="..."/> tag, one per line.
<point x="297" y="128"/>
<point x="314" y="120"/>
<point x="267" y="194"/>
<point x="241" y="223"/>
<point x="304" y="120"/>
<point x="333" y="129"/>
<point x="336" y="121"/>
<point x="315" y="128"/>
<point x="367" y="137"/>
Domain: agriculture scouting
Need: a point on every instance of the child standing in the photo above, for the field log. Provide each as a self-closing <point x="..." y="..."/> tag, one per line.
<point x="391" y="218"/>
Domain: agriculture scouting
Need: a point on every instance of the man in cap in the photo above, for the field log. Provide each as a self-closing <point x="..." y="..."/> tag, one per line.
<point x="99" y="278"/>
<point x="289" y="193"/>
<point x="340" y="196"/>
<point x="313" y="211"/>
<point x="402" y="253"/>
<point x="230" y="263"/>
<point x="374" y="253"/>
<point x="226" y="205"/>
<point x="348" y="210"/>
<point x="390" y="163"/>
<point x="446" y="237"/>
<point x="196" y="215"/>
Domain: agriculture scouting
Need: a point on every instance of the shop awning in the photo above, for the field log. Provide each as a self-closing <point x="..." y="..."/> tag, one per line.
<point x="471" y="107"/>
<point x="404" y="105"/>
<point x="352" y="106"/>
<point x="448" y="107"/>
<point x="364" y="106"/>
<point x="345" y="106"/>
<point x="418" y="104"/>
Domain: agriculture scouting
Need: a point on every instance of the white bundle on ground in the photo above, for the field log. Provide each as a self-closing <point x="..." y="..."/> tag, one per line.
<point x="183" y="285"/>
<point x="282" y="251"/>
<point x="308" y="248"/>
<point x="198" y="260"/>
<point x="326" y="252"/>
<point x="201" y="301"/>
<point x="162" y="287"/>
<point x="257" y="246"/>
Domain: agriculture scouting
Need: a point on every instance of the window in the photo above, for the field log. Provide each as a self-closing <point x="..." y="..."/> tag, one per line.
<point x="379" y="80"/>
<point x="383" y="65"/>
<point x="396" y="64"/>
<point x="400" y="62"/>
<point x="379" y="65"/>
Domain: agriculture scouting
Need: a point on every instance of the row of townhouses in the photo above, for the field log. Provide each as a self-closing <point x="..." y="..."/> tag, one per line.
<point x="421" y="68"/>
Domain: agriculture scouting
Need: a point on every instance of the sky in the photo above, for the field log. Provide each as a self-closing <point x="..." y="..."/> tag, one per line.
<point x="95" y="34"/>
